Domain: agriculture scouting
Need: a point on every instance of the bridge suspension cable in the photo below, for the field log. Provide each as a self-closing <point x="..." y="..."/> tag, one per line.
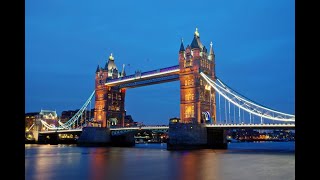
<point x="247" y="99"/>
<point x="49" y="126"/>
<point x="30" y="127"/>
<point x="245" y="104"/>
<point x="72" y="120"/>
<point x="62" y="125"/>
<point x="75" y="117"/>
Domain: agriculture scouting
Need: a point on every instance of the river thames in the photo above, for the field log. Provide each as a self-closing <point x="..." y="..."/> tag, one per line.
<point x="249" y="161"/>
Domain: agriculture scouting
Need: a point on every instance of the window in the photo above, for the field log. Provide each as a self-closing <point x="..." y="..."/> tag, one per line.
<point x="189" y="111"/>
<point x="188" y="82"/>
<point x="189" y="96"/>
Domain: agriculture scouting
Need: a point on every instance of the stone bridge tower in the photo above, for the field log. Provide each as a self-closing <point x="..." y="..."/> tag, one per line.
<point x="109" y="101"/>
<point x="197" y="98"/>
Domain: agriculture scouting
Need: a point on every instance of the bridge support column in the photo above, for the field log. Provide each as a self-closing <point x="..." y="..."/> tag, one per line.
<point x="195" y="136"/>
<point x="51" y="138"/>
<point x="123" y="140"/>
<point x="187" y="136"/>
<point x="216" y="138"/>
<point x="94" y="136"/>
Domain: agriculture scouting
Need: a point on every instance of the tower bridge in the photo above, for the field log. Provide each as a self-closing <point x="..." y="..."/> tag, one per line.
<point x="196" y="96"/>
<point x="205" y="101"/>
<point x="199" y="87"/>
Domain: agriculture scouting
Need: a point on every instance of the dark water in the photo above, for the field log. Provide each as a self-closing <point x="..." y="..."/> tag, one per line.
<point x="243" y="161"/>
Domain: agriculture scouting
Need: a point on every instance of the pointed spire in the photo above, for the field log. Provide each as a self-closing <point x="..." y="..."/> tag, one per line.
<point x="211" y="53"/>
<point x="196" y="33"/>
<point x="181" y="46"/>
<point x="196" y="43"/>
<point x="98" y="69"/>
<point x="110" y="64"/>
<point x="123" y="73"/>
<point x="111" y="57"/>
<point x="211" y="48"/>
<point x="204" y="49"/>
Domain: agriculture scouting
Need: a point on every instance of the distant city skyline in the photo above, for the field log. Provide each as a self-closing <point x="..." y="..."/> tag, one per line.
<point x="254" y="44"/>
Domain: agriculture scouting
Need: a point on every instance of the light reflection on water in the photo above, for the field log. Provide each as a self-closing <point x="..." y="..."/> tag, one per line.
<point x="153" y="161"/>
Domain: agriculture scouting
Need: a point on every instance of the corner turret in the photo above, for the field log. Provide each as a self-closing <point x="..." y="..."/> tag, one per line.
<point x="181" y="46"/>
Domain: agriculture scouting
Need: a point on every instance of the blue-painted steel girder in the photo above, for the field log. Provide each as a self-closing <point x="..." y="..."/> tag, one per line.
<point x="150" y="81"/>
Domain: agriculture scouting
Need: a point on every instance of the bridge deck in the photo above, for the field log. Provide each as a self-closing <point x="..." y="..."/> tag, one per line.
<point x="223" y="126"/>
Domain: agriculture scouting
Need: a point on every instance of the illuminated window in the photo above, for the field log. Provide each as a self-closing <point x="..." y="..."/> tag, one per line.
<point x="192" y="111"/>
<point x="188" y="82"/>
<point x="189" y="96"/>
<point x="186" y="114"/>
<point x="189" y="111"/>
<point x="188" y="62"/>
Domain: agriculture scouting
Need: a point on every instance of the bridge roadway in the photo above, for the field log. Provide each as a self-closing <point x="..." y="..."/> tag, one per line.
<point x="220" y="126"/>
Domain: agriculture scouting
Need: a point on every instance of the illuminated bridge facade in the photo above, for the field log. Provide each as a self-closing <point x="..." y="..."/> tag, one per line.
<point x="204" y="98"/>
<point x="197" y="99"/>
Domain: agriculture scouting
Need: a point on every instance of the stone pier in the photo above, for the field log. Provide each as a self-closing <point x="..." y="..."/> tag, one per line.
<point x="94" y="136"/>
<point x="183" y="136"/>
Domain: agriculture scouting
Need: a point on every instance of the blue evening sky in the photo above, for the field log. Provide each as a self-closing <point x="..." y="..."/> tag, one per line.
<point x="253" y="40"/>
